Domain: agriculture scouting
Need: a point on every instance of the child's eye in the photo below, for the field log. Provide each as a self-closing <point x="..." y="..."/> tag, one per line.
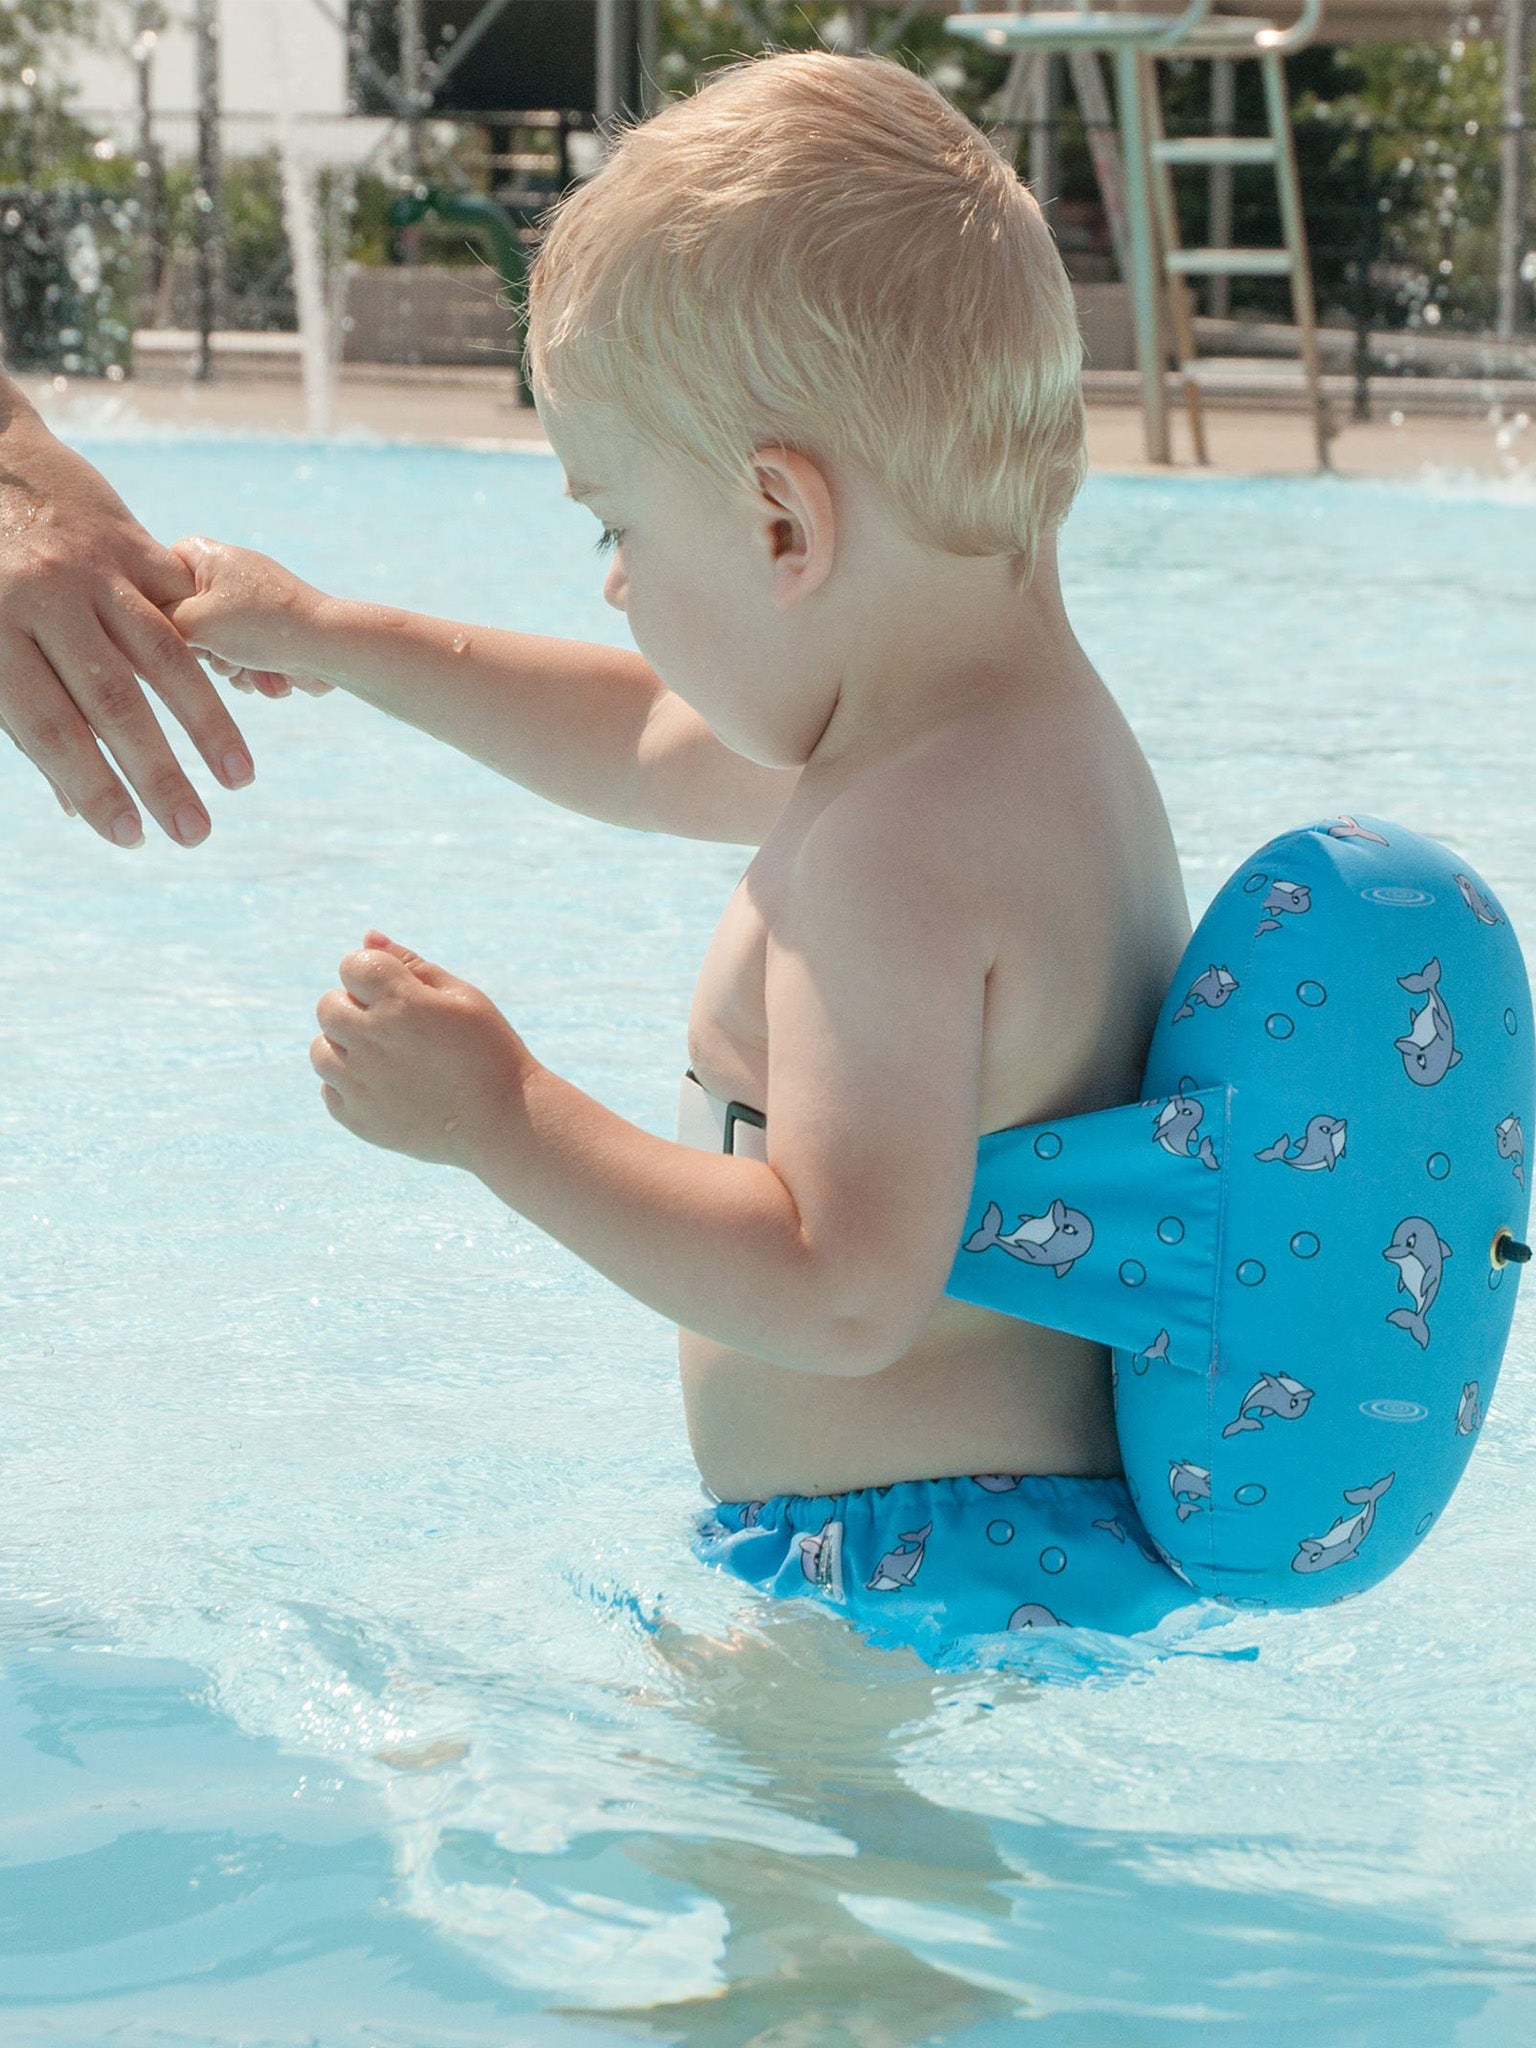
<point x="611" y="536"/>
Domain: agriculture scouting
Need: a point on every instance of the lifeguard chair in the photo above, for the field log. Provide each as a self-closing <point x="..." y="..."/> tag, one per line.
<point x="1158" y="267"/>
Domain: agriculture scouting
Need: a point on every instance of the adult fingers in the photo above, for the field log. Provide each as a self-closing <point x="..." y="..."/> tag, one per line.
<point x="168" y="665"/>
<point x="47" y="727"/>
<point x="64" y="803"/>
<point x="107" y="697"/>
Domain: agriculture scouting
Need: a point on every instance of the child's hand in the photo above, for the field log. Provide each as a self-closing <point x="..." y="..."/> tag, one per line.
<point x="412" y="1058"/>
<point x="249" y="618"/>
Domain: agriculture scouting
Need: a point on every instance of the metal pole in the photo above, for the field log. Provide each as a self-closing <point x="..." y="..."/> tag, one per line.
<point x="607" y="94"/>
<point x="1223" y="115"/>
<point x="205" y="27"/>
<point x="148" y="169"/>
<point x="410" y="82"/>
<point x="1512" y="175"/>
<point x="1044" y="129"/>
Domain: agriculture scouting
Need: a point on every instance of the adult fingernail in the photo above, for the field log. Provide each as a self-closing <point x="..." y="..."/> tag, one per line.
<point x="128" y="831"/>
<point x="238" y="768"/>
<point x="190" y="825"/>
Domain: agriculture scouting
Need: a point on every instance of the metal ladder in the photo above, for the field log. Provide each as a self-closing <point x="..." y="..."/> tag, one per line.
<point x="1277" y="151"/>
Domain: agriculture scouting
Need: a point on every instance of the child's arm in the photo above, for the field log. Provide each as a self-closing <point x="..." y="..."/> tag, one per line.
<point x="830" y="1257"/>
<point x="588" y="726"/>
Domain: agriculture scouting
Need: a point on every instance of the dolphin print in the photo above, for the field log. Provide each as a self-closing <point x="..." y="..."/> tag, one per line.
<point x="1156" y="1353"/>
<point x="1419" y="1253"/>
<point x="1275" y="1396"/>
<point x="1348" y="828"/>
<point x="1343" y="1540"/>
<point x="821" y="1558"/>
<point x="899" y="1567"/>
<point x="995" y="1482"/>
<point x="1058" y="1238"/>
<point x="1469" y="1411"/>
<point x="1476" y="902"/>
<point x="1510" y="1139"/>
<point x="1033" y="1615"/>
<point x="1429" y="1047"/>
<point x="1189" y="1485"/>
<point x="1321" y="1146"/>
<point x="1285" y="899"/>
<point x="1177" y="1123"/>
<point x="1213" y="988"/>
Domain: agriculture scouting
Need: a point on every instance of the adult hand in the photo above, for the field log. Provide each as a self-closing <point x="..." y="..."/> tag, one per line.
<point x="80" y="586"/>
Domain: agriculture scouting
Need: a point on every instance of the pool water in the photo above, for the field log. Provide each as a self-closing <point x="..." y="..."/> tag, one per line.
<point x="356" y="1682"/>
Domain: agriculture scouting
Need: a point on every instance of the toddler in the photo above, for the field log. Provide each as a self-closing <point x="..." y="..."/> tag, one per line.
<point x="805" y="349"/>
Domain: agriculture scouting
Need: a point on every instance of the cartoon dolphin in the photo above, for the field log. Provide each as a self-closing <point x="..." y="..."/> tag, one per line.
<point x="750" y="1513"/>
<point x="1112" y="1527"/>
<point x="1429" y="1048"/>
<point x="995" y="1482"/>
<point x="1469" y="1411"/>
<point x="899" y="1567"/>
<point x="1343" y="1540"/>
<point x="1285" y="899"/>
<point x="1033" y="1615"/>
<point x="1155" y="1353"/>
<point x="1511" y="1143"/>
<point x="1212" y="988"/>
<point x="821" y="1557"/>
<point x="1275" y="1395"/>
<point x="1476" y="902"/>
<point x="1177" y="1122"/>
<point x="1322" y="1145"/>
<point x="1189" y="1485"/>
<point x="1058" y="1238"/>
<point x="1350" y="828"/>
<point x="1419" y="1253"/>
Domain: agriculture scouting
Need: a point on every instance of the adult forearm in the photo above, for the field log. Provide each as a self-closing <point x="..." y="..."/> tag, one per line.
<point x="562" y="717"/>
<point x="712" y="1242"/>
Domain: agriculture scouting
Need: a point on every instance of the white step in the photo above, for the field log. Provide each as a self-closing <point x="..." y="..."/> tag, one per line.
<point x="1216" y="149"/>
<point x="1229" y="262"/>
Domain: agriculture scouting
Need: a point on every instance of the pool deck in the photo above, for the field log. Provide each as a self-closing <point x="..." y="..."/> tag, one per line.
<point x="475" y="407"/>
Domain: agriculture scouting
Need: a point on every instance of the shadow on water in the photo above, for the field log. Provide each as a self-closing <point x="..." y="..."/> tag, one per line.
<point x="942" y="1925"/>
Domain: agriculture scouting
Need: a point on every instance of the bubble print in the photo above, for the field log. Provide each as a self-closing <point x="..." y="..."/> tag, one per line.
<point x="1048" y="1146"/>
<point x="1279" y="1025"/>
<point x="1132" y="1272"/>
<point x="1250" y="1495"/>
<point x="1437" y="1166"/>
<point x="1304" y="1245"/>
<point x="1251" y="1273"/>
<point x="1171" y="1230"/>
<point x="999" y="1532"/>
<point x="1312" y="993"/>
<point x="1053" y="1560"/>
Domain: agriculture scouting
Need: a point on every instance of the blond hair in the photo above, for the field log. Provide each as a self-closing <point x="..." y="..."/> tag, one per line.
<point x="819" y="251"/>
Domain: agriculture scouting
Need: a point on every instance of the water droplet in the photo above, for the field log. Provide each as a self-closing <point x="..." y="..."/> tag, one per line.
<point x="459" y="642"/>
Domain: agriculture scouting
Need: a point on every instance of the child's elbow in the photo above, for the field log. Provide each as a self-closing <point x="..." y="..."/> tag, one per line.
<point x="861" y="1339"/>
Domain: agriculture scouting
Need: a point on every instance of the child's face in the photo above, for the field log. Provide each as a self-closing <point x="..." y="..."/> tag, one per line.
<point x="695" y="574"/>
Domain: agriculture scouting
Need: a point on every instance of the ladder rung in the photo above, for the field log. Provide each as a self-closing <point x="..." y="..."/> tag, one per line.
<point x="1229" y="262"/>
<point x="1216" y="149"/>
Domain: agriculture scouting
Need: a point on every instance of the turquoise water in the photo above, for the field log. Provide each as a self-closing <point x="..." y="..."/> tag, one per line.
<point x="356" y="1684"/>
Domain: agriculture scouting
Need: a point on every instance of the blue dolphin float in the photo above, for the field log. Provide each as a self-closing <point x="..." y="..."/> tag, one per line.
<point x="1303" y="1244"/>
